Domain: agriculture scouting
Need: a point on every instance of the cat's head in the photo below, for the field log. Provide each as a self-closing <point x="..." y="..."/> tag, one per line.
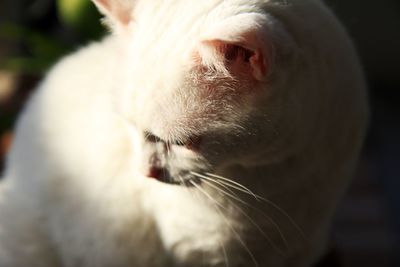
<point x="197" y="84"/>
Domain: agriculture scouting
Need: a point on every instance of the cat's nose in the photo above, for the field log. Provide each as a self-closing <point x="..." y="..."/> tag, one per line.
<point x="155" y="172"/>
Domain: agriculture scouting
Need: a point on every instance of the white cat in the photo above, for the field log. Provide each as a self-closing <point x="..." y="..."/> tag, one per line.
<point x="120" y="156"/>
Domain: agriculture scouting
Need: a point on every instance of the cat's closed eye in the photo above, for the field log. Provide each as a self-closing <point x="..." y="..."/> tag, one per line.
<point x="151" y="137"/>
<point x="191" y="142"/>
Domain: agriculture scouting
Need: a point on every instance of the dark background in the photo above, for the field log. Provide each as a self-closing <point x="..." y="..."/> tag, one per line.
<point x="34" y="34"/>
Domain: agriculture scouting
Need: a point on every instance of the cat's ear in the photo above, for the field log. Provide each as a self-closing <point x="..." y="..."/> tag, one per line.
<point x="240" y="44"/>
<point x="117" y="12"/>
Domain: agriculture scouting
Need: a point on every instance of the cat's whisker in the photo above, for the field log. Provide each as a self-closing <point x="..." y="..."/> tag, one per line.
<point x="225" y="254"/>
<point x="212" y="180"/>
<point x="251" y="220"/>
<point x="284" y="213"/>
<point x="217" y="204"/>
<point x="220" y="242"/>
<point x="269" y="218"/>
<point x="233" y="196"/>
<point x="233" y="184"/>
<point x="183" y="183"/>
<point x="236" y="187"/>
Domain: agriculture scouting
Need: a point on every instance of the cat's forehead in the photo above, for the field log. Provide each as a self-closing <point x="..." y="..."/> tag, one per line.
<point x="185" y="11"/>
<point x="182" y="23"/>
<point x="166" y="33"/>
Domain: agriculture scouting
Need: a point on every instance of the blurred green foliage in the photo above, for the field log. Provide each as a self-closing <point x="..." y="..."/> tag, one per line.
<point x="81" y="16"/>
<point x="44" y="50"/>
<point x="78" y="21"/>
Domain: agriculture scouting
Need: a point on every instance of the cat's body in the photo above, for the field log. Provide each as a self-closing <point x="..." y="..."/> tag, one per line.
<point x="266" y="93"/>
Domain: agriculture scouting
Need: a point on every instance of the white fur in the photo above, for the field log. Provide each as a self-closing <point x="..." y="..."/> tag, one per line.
<point x="75" y="191"/>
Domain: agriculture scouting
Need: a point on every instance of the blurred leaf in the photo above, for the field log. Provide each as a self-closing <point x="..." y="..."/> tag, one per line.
<point x="44" y="50"/>
<point x="82" y="16"/>
<point x="43" y="46"/>
<point x="26" y="65"/>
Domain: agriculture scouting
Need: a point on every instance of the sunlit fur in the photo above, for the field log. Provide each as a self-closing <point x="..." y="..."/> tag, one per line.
<point x="280" y="138"/>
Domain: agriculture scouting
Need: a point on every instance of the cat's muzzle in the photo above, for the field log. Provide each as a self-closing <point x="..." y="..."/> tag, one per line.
<point x="166" y="164"/>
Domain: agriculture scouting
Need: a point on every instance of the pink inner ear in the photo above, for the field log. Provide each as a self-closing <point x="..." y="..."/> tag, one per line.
<point x="115" y="10"/>
<point x="259" y="64"/>
<point x="240" y="60"/>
